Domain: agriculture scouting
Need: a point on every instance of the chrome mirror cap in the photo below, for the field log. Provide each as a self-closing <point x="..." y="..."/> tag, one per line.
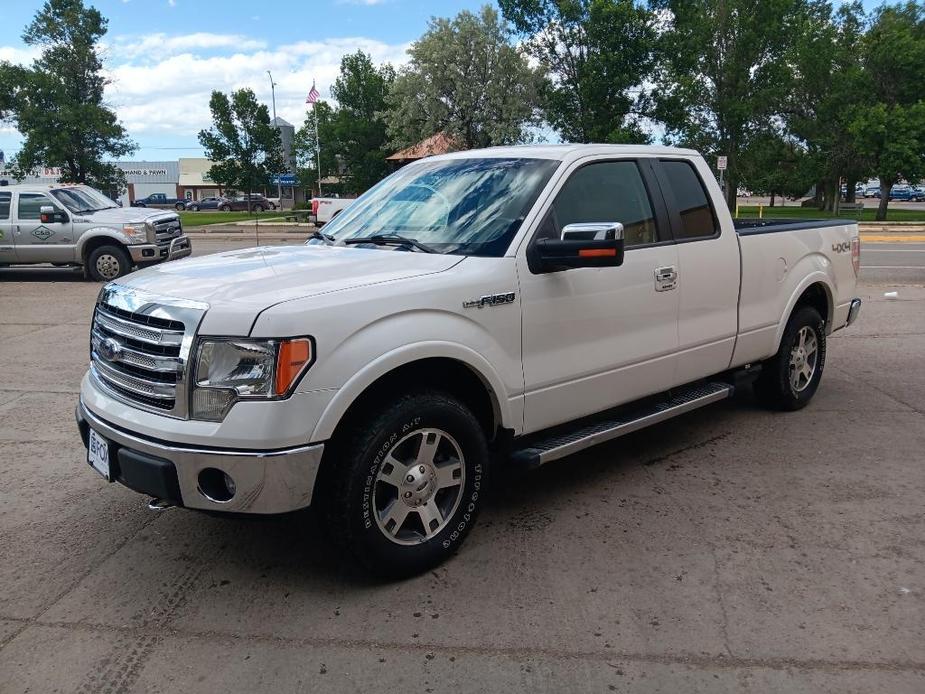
<point x="593" y="231"/>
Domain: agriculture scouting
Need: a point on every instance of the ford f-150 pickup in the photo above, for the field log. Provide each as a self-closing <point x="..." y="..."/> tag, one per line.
<point x="507" y="306"/>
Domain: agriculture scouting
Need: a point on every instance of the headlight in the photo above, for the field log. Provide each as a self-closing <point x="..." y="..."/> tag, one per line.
<point x="228" y="370"/>
<point x="137" y="233"/>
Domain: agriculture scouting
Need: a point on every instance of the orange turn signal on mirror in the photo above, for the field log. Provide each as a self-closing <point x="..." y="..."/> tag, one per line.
<point x="291" y="360"/>
<point x="597" y="252"/>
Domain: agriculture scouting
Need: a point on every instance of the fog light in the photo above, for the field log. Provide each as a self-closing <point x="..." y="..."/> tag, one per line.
<point x="211" y="404"/>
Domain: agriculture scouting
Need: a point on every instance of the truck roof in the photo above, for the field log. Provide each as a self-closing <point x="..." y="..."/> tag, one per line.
<point x="567" y="151"/>
<point x="42" y="187"/>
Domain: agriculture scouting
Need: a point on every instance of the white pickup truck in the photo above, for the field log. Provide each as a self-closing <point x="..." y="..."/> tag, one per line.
<point x="506" y="306"/>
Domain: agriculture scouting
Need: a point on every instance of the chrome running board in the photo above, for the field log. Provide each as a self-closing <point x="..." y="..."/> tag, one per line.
<point x="559" y="445"/>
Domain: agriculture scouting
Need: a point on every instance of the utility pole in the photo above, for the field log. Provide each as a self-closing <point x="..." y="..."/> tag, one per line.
<point x="279" y="183"/>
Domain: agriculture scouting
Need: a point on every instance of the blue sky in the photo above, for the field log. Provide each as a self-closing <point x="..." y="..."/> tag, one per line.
<point x="166" y="56"/>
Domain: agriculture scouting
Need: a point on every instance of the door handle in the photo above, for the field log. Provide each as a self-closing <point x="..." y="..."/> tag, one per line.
<point x="666" y="278"/>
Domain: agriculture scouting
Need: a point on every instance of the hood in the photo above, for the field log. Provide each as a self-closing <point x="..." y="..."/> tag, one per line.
<point x="122" y="215"/>
<point x="246" y="282"/>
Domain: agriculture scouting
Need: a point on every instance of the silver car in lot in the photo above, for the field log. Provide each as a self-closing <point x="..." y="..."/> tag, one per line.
<point x="78" y="225"/>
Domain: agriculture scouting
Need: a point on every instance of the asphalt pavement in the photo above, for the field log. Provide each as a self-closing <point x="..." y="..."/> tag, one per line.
<point x="731" y="550"/>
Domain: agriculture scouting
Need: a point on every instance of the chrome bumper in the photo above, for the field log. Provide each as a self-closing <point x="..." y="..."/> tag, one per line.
<point x="179" y="247"/>
<point x="265" y="482"/>
<point x="853" y="311"/>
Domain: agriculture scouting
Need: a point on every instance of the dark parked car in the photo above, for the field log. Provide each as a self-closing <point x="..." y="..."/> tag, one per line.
<point x="205" y="204"/>
<point x="257" y="203"/>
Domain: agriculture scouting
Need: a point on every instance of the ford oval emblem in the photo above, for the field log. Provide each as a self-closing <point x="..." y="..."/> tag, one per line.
<point x="111" y="349"/>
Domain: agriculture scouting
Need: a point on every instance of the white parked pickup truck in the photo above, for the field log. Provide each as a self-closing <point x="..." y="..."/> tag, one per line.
<point x="506" y="306"/>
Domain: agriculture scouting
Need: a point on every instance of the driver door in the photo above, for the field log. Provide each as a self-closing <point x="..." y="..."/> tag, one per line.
<point x="594" y="338"/>
<point x="38" y="242"/>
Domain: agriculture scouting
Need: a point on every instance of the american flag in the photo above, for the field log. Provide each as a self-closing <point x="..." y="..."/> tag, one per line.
<point x="312" y="95"/>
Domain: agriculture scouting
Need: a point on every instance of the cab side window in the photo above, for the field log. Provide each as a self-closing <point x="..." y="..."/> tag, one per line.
<point x="30" y="205"/>
<point x="697" y="217"/>
<point x="611" y="191"/>
<point x="5" y="199"/>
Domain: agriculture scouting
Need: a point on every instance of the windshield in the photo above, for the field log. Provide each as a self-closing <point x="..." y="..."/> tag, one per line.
<point x="466" y="206"/>
<point x="80" y="199"/>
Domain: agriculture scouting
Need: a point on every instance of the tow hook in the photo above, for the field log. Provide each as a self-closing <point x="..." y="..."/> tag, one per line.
<point x="156" y="504"/>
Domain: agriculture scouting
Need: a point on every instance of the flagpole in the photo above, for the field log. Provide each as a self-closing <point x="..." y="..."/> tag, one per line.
<point x="317" y="146"/>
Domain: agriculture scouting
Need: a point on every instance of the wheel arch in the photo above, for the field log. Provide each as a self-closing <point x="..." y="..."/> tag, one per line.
<point x="457" y="371"/>
<point x="94" y="238"/>
<point x="814" y="291"/>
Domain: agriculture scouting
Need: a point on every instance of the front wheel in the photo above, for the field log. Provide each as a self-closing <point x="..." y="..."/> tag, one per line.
<point x="406" y="483"/>
<point x="225" y="208"/>
<point x="107" y="263"/>
<point x="180" y="206"/>
<point x="789" y="379"/>
<point x="195" y="208"/>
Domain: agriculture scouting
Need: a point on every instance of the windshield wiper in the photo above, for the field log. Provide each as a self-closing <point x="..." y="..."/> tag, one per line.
<point x="391" y="240"/>
<point x="321" y="236"/>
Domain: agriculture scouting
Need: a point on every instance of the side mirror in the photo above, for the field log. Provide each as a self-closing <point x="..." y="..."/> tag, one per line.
<point x="596" y="244"/>
<point x="48" y="215"/>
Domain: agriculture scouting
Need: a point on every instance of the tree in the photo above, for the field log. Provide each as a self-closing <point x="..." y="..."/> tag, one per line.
<point x="353" y="135"/>
<point x="722" y="74"/>
<point x="243" y="145"/>
<point x="596" y="55"/>
<point x="57" y="104"/>
<point x="828" y="84"/>
<point x="891" y="129"/>
<point x="465" y="79"/>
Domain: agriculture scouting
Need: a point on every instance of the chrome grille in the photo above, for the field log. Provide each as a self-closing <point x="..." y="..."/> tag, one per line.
<point x="165" y="230"/>
<point x="140" y="347"/>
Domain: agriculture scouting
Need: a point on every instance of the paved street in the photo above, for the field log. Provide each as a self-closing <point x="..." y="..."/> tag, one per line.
<point x="730" y="550"/>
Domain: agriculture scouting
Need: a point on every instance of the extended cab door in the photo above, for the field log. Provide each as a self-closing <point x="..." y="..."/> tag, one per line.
<point x="708" y="268"/>
<point x="38" y="242"/>
<point x="7" y="250"/>
<point x="594" y="338"/>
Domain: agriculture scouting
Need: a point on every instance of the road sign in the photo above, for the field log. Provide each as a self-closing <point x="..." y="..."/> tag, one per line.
<point x="721" y="163"/>
<point x="287" y="179"/>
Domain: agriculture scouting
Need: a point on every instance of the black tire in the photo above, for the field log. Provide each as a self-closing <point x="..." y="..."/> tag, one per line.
<point x="774" y="387"/>
<point x="195" y="208"/>
<point x="180" y="206"/>
<point x="225" y="208"/>
<point x="258" y="208"/>
<point x="105" y="257"/>
<point x="355" y="499"/>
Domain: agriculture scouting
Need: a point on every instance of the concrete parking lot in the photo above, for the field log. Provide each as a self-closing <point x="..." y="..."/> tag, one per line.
<point x="730" y="550"/>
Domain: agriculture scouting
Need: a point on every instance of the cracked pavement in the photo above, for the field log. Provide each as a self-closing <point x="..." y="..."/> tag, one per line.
<point x="729" y="550"/>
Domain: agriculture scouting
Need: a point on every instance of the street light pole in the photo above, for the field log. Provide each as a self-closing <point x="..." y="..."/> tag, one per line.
<point x="279" y="183"/>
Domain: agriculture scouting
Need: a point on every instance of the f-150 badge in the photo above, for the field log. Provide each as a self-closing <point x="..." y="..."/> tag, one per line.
<point x="490" y="300"/>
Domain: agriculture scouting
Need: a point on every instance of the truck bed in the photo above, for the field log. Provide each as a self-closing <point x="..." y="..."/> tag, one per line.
<point x="748" y="227"/>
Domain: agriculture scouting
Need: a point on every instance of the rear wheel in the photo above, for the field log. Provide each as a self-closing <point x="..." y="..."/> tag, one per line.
<point x="107" y="263"/>
<point x="258" y="208"/>
<point x="195" y="208"/>
<point x="790" y="378"/>
<point x="225" y="208"/>
<point x="180" y="206"/>
<point x="406" y="483"/>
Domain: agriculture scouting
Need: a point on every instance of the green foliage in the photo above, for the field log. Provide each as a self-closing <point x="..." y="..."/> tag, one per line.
<point x="890" y="129"/>
<point x="304" y="146"/>
<point x="243" y="145"/>
<point x="57" y="104"/>
<point x="828" y="84"/>
<point x="353" y="135"/>
<point x="723" y="74"/>
<point x="595" y="54"/>
<point x="467" y="80"/>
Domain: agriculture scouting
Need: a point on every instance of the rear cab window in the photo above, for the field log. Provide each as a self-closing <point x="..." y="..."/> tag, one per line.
<point x="5" y="200"/>
<point x="695" y="217"/>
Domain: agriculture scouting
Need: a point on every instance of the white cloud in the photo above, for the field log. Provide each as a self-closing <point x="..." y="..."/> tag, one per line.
<point x="172" y="3"/>
<point x="166" y="92"/>
<point x="160" y="44"/>
<point x="361" y="2"/>
<point x="19" y="56"/>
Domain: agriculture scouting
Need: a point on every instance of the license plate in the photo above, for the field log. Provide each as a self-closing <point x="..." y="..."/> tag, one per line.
<point x="98" y="454"/>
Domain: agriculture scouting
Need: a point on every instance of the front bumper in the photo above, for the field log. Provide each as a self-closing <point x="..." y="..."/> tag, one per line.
<point x="265" y="481"/>
<point x="145" y="253"/>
